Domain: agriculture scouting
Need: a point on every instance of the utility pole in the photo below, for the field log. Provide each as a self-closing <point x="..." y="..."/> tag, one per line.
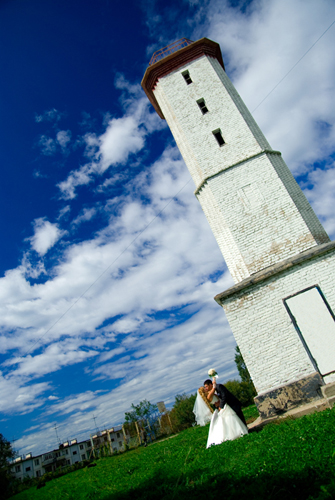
<point x="96" y="428"/>
<point x="58" y="440"/>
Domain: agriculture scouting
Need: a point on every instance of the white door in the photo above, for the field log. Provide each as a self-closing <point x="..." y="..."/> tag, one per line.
<point x="316" y="325"/>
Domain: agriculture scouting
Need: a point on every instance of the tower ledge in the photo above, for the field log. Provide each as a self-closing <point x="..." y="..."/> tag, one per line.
<point x="270" y="271"/>
<point x="176" y="60"/>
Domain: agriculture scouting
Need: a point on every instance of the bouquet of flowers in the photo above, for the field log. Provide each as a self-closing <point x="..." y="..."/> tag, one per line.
<point x="213" y="374"/>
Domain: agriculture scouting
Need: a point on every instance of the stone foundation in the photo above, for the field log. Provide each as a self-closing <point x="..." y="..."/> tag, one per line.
<point x="287" y="397"/>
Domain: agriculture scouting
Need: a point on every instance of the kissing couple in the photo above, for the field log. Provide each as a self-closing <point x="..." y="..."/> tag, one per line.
<point x="227" y="421"/>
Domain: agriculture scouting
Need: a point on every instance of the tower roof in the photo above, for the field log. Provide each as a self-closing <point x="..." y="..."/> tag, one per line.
<point x="171" y="58"/>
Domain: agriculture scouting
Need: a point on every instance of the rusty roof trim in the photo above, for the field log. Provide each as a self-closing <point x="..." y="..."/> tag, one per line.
<point x="176" y="60"/>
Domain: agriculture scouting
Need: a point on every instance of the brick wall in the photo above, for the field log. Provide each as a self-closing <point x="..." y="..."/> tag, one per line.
<point x="269" y="342"/>
<point x="256" y="210"/>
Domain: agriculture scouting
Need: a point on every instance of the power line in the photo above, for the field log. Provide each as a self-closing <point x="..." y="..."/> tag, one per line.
<point x="296" y="64"/>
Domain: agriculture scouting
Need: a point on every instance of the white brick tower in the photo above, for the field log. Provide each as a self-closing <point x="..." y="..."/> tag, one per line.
<point x="277" y="251"/>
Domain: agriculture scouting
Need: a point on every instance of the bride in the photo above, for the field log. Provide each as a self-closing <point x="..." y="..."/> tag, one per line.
<point x="225" y="425"/>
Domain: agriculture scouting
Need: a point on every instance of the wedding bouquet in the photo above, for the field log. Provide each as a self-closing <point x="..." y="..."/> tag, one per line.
<point x="213" y="373"/>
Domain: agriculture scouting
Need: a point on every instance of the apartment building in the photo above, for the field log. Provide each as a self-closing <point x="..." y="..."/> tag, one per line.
<point x="69" y="453"/>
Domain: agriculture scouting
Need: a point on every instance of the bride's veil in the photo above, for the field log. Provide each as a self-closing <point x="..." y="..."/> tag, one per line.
<point x="202" y="410"/>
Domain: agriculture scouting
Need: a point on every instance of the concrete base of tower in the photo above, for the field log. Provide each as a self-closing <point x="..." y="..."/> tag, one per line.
<point x="283" y="399"/>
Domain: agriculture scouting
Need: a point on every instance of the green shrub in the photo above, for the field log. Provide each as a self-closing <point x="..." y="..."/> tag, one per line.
<point x="244" y="391"/>
<point x="182" y="415"/>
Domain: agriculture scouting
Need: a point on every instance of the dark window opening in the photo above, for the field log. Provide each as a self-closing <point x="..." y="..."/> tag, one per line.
<point x="187" y="77"/>
<point x="218" y="136"/>
<point x="202" y="106"/>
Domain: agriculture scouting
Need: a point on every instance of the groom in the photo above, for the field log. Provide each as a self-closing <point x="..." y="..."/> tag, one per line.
<point x="224" y="396"/>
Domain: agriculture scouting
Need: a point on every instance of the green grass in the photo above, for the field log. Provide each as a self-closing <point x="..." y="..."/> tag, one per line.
<point x="294" y="459"/>
<point x="250" y="413"/>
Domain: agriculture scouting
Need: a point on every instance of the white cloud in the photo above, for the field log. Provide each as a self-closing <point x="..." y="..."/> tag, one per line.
<point x="322" y="196"/>
<point x="64" y="212"/>
<point x="16" y="396"/>
<point x="63" y="138"/>
<point x="48" y="145"/>
<point x="123" y="138"/>
<point x="52" y="115"/>
<point x="45" y="236"/>
<point x="38" y="175"/>
<point x="85" y="215"/>
<point x="54" y="357"/>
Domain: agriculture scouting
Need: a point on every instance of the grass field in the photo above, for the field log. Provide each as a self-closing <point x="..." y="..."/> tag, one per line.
<point x="293" y="459"/>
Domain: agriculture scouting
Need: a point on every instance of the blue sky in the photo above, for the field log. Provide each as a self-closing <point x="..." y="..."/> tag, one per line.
<point x="108" y="265"/>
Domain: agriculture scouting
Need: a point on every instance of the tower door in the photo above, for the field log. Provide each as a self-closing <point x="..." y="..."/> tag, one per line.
<point x="314" y="321"/>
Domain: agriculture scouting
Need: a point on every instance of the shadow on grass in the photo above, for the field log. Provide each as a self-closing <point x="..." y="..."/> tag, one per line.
<point x="310" y="484"/>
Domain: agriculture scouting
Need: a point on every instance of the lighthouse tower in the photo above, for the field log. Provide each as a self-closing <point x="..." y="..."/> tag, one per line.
<point x="279" y="255"/>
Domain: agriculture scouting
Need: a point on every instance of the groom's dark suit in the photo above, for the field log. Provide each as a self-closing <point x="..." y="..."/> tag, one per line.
<point x="226" y="396"/>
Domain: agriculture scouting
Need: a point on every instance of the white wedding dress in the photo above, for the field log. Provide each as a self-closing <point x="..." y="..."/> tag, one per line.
<point x="225" y="425"/>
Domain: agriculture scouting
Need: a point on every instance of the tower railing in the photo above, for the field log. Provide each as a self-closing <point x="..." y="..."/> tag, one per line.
<point x="169" y="49"/>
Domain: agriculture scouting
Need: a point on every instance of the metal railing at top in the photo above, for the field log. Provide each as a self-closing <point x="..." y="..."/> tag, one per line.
<point x="169" y="49"/>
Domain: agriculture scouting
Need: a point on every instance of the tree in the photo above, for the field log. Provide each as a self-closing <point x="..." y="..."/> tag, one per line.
<point x="182" y="412"/>
<point x="6" y="454"/>
<point x="241" y="366"/>
<point x="141" y="411"/>
<point x="243" y="391"/>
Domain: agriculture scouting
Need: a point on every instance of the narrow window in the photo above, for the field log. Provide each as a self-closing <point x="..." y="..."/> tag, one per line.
<point x="202" y="106"/>
<point x="218" y="136"/>
<point x="187" y="77"/>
